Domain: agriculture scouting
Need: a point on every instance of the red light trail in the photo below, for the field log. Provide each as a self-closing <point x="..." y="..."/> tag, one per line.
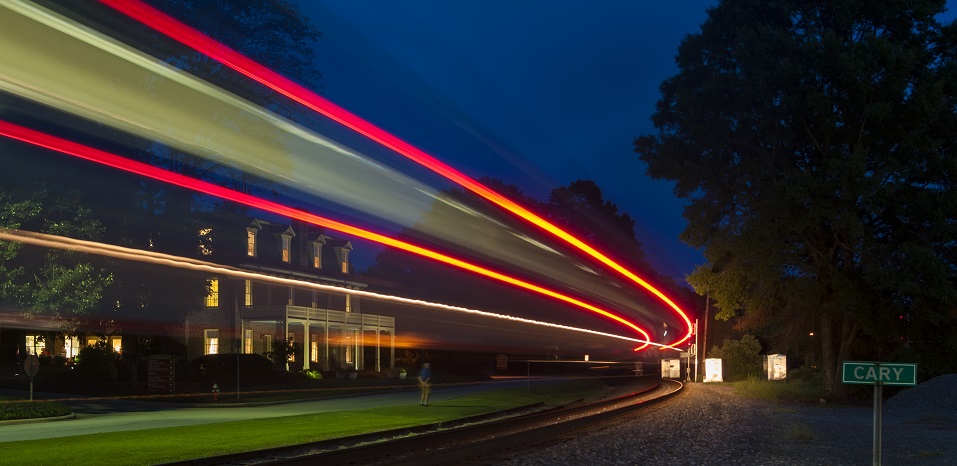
<point x="95" y="155"/>
<point x="190" y="37"/>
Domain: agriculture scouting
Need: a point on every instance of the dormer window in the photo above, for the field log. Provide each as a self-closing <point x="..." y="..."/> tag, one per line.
<point x="316" y="255"/>
<point x="345" y="261"/>
<point x="251" y="242"/>
<point x="285" y="248"/>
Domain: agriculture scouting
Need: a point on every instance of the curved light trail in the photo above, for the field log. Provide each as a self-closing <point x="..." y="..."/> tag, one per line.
<point x="152" y="257"/>
<point x="102" y="157"/>
<point x="190" y="37"/>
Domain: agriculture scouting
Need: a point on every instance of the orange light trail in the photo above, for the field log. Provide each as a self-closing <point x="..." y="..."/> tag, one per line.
<point x="95" y="155"/>
<point x="168" y="260"/>
<point x="190" y="37"/>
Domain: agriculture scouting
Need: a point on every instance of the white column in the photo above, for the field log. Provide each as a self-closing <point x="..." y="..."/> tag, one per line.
<point x="306" y="354"/>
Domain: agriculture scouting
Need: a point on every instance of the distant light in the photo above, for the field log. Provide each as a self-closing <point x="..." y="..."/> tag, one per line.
<point x="586" y="358"/>
<point x="811" y="334"/>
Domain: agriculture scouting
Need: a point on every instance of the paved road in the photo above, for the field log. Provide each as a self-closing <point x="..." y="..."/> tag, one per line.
<point x="100" y="415"/>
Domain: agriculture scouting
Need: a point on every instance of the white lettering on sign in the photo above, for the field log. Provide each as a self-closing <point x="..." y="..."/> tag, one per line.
<point x="882" y="374"/>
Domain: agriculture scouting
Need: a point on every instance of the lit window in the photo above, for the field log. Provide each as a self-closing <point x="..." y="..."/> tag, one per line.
<point x="345" y="261"/>
<point x="249" y="293"/>
<point x="212" y="299"/>
<point x="292" y="341"/>
<point x="285" y="249"/>
<point x="348" y="303"/>
<point x="211" y="341"/>
<point x="292" y="296"/>
<point x="267" y="343"/>
<point x="316" y="255"/>
<point x="314" y="349"/>
<point x="71" y="346"/>
<point x="35" y="345"/>
<point x="206" y="241"/>
<point x="251" y="243"/>
<point x="248" y="342"/>
<point x="117" y="344"/>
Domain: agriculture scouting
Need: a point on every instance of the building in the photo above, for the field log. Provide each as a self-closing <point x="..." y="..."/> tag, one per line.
<point x="300" y="298"/>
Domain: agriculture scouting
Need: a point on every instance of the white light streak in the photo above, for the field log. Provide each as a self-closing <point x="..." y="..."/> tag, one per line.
<point x="138" y="255"/>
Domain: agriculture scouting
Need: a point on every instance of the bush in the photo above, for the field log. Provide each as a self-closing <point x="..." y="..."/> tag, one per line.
<point x="97" y="362"/>
<point x="21" y="409"/>
<point x="225" y="364"/>
<point x="740" y="358"/>
<point x="312" y="374"/>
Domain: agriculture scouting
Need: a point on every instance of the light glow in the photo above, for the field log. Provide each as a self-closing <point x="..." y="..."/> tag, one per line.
<point x="95" y="155"/>
<point x="190" y="37"/>
<point x="168" y="260"/>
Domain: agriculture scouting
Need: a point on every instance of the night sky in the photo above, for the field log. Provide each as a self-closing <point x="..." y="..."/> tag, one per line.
<point x="538" y="94"/>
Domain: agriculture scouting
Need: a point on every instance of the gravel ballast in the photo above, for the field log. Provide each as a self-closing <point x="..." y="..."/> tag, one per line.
<point x="710" y="425"/>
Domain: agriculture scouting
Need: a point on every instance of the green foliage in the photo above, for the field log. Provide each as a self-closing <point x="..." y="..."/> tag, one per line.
<point x="312" y="374"/>
<point x="96" y="363"/>
<point x="59" y="283"/>
<point x="11" y="409"/>
<point x="740" y="358"/>
<point x="283" y="350"/>
<point x="790" y="391"/>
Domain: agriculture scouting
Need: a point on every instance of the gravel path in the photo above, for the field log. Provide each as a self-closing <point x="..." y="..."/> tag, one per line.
<point x="710" y="425"/>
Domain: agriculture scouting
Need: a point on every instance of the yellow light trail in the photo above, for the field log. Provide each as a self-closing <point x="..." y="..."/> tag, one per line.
<point x="107" y="87"/>
<point x="167" y="260"/>
<point x="182" y="33"/>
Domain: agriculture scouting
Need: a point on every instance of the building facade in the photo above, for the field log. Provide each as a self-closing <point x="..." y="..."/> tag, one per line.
<point x="295" y="305"/>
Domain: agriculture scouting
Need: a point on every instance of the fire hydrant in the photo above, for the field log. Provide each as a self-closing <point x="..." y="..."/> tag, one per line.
<point x="215" y="392"/>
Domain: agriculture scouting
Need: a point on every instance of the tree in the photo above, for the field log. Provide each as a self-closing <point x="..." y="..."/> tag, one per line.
<point x="61" y="284"/>
<point x="581" y="208"/>
<point x="817" y="144"/>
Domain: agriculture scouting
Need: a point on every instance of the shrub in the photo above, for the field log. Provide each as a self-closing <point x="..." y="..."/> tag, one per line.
<point x="740" y="358"/>
<point x="312" y="374"/>
<point x="225" y="364"/>
<point x="96" y="362"/>
<point x="21" y="409"/>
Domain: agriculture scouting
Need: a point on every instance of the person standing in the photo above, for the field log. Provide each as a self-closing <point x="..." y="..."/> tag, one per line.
<point x="425" y="383"/>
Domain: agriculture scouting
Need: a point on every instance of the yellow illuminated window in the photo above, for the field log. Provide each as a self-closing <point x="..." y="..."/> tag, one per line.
<point x="285" y="249"/>
<point x="71" y="346"/>
<point x="211" y="341"/>
<point x="251" y="243"/>
<point x="248" y="342"/>
<point x="212" y="299"/>
<point x="345" y="261"/>
<point x="249" y="293"/>
<point x="316" y="255"/>
<point x="117" y="344"/>
<point x="35" y="344"/>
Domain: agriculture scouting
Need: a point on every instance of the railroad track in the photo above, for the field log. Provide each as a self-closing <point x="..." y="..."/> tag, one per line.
<point x="471" y="442"/>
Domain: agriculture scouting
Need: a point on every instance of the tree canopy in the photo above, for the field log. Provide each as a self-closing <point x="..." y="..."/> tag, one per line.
<point x="817" y="145"/>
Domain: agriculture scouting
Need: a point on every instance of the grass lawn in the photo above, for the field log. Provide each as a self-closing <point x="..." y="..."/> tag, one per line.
<point x="153" y="446"/>
<point x="792" y="391"/>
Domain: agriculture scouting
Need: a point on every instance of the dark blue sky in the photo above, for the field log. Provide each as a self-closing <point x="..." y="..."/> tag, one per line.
<point x="536" y="93"/>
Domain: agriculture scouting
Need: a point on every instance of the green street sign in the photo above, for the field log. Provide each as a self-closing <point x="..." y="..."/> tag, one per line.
<point x="879" y="373"/>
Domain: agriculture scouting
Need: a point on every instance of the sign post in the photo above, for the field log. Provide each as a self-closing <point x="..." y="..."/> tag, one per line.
<point x="878" y="374"/>
<point x="31" y="365"/>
